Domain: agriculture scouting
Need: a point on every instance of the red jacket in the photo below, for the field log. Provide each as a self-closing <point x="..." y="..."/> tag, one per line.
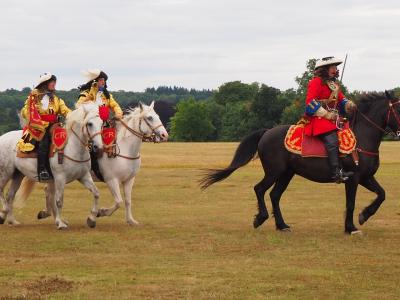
<point x="318" y="90"/>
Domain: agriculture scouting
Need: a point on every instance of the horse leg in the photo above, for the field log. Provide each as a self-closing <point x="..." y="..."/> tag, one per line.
<point x="260" y="189"/>
<point x="372" y="185"/>
<point x="43" y="214"/>
<point x="9" y="204"/>
<point x="87" y="181"/>
<point x="58" y="202"/>
<point x="351" y="191"/>
<point x="113" y="185"/>
<point x="3" y="212"/>
<point x="275" y="195"/>
<point x="128" y="185"/>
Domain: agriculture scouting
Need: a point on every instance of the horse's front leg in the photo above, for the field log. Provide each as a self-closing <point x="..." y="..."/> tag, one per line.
<point x="87" y="181"/>
<point x="58" y="200"/>
<point x="351" y="191"/>
<point x="372" y="185"/>
<point x="128" y="185"/>
<point x="113" y="185"/>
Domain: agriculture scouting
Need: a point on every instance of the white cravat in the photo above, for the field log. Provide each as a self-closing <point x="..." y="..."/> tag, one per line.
<point x="45" y="102"/>
<point x="99" y="99"/>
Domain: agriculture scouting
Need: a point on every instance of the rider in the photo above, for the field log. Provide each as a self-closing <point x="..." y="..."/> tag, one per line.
<point x="95" y="91"/>
<point x="324" y="103"/>
<point x="42" y="108"/>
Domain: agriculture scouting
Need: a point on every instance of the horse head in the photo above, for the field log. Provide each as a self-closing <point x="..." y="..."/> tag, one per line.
<point x="148" y="122"/>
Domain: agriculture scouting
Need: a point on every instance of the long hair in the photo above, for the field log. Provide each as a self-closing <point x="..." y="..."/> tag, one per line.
<point x="323" y="73"/>
<point x="86" y="86"/>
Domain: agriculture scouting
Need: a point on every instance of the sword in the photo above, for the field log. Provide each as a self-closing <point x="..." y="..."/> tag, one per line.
<point x="344" y="67"/>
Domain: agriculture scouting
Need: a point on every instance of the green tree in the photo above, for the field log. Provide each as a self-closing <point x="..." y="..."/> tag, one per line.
<point x="235" y="91"/>
<point x="191" y="122"/>
<point x="235" y="121"/>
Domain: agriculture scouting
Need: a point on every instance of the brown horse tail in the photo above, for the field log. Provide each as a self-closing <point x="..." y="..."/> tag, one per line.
<point x="244" y="153"/>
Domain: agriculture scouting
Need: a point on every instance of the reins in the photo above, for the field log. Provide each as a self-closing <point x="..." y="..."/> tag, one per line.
<point x="391" y="110"/>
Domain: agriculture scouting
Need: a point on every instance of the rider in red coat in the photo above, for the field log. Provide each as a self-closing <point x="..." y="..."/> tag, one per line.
<point x="324" y="103"/>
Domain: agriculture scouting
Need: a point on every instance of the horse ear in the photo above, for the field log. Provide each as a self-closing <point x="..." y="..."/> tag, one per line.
<point x="141" y="106"/>
<point x="388" y="95"/>
<point x="152" y="104"/>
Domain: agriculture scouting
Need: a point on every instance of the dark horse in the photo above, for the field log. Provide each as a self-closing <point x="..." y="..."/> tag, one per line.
<point x="374" y="113"/>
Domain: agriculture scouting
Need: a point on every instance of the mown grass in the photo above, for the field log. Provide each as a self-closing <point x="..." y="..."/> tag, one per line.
<point x="201" y="245"/>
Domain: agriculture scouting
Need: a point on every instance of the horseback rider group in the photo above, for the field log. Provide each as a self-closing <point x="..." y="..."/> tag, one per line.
<point x="325" y="104"/>
<point x="44" y="108"/>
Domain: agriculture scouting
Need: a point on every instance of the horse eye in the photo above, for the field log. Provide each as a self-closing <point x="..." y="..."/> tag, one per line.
<point x="150" y="118"/>
<point x="90" y="124"/>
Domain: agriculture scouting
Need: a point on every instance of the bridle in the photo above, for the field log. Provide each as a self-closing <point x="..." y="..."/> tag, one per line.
<point x="140" y="134"/>
<point x="86" y="145"/>
<point x="391" y="111"/>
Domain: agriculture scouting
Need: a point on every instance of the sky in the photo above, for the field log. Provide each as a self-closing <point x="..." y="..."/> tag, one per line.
<point x="197" y="43"/>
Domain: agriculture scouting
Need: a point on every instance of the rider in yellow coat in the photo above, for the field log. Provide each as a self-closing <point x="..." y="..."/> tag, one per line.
<point x="95" y="90"/>
<point x="42" y="108"/>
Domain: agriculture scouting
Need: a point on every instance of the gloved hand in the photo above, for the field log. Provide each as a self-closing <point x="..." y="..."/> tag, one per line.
<point x="331" y="116"/>
<point x="350" y="106"/>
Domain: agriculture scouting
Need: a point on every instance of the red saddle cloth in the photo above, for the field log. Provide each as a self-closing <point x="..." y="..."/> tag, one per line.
<point x="312" y="146"/>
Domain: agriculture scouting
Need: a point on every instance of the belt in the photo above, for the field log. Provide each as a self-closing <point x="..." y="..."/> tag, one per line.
<point x="52" y="118"/>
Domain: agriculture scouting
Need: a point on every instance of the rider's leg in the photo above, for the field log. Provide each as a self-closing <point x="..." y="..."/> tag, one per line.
<point x="43" y="157"/>
<point x="331" y="142"/>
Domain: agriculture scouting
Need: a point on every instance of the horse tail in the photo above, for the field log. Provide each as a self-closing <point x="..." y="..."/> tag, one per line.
<point x="25" y="190"/>
<point x="244" y="153"/>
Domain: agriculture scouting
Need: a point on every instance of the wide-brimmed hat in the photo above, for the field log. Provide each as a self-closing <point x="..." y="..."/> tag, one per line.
<point x="328" y="61"/>
<point x="93" y="74"/>
<point x="45" y="77"/>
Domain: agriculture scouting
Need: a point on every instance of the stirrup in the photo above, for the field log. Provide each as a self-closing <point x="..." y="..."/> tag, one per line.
<point x="44" y="175"/>
<point x="342" y="176"/>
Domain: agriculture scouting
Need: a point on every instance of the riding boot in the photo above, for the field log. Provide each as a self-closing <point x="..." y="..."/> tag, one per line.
<point x="44" y="172"/>
<point x="331" y="142"/>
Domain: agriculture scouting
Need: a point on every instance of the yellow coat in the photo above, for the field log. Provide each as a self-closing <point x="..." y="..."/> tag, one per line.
<point x="90" y="96"/>
<point x="57" y="106"/>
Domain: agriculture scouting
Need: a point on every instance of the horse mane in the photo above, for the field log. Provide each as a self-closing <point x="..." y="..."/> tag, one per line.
<point x="80" y="113"/>
<point x="129" y="113"/>
<point x="365" y="101"/>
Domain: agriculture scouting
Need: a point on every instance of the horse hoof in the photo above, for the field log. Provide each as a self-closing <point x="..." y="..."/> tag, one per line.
<point x="13" y="223"/>
<point x="42" y="215"/>
<point x="284" y="229"/>
<point x="356" y="232"/>
<point x="259" y="220"/>
<point x="361" y="219"/>
<point x="2" y="220"/>
<point x="91" y="223"/>
<point x="132" y="222"/>
<point x="62" y="226"/>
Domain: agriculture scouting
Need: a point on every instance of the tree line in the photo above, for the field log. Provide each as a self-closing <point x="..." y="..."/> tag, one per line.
<point x="225" y="114"/>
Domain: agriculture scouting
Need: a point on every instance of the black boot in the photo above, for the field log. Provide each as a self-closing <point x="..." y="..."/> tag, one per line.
<point x="331" y="142"/>
<point x="44" y="172"/>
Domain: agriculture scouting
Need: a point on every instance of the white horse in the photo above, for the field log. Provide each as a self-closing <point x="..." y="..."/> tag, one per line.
<point x="137" y="124"/>
<point x="83" y="124"/>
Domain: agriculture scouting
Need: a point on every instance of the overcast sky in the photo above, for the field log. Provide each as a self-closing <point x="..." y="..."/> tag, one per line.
<point x="197" y="43"/>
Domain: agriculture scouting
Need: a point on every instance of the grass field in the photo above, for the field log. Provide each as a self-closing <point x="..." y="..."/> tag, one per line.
<point x="201" y="245"/>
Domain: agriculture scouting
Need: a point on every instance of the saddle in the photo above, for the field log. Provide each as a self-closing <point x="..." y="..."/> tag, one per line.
<point x="59" y="139"/>
<point x="311" y="146"/>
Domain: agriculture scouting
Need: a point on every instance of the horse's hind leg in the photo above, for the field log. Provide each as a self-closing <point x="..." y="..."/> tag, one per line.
<point x="372" y="185"/>
<point x="9" y="204"/>
<point x="260" y="189"/>
<point x="43" y="214"/>
<point x="276" y="193"/>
